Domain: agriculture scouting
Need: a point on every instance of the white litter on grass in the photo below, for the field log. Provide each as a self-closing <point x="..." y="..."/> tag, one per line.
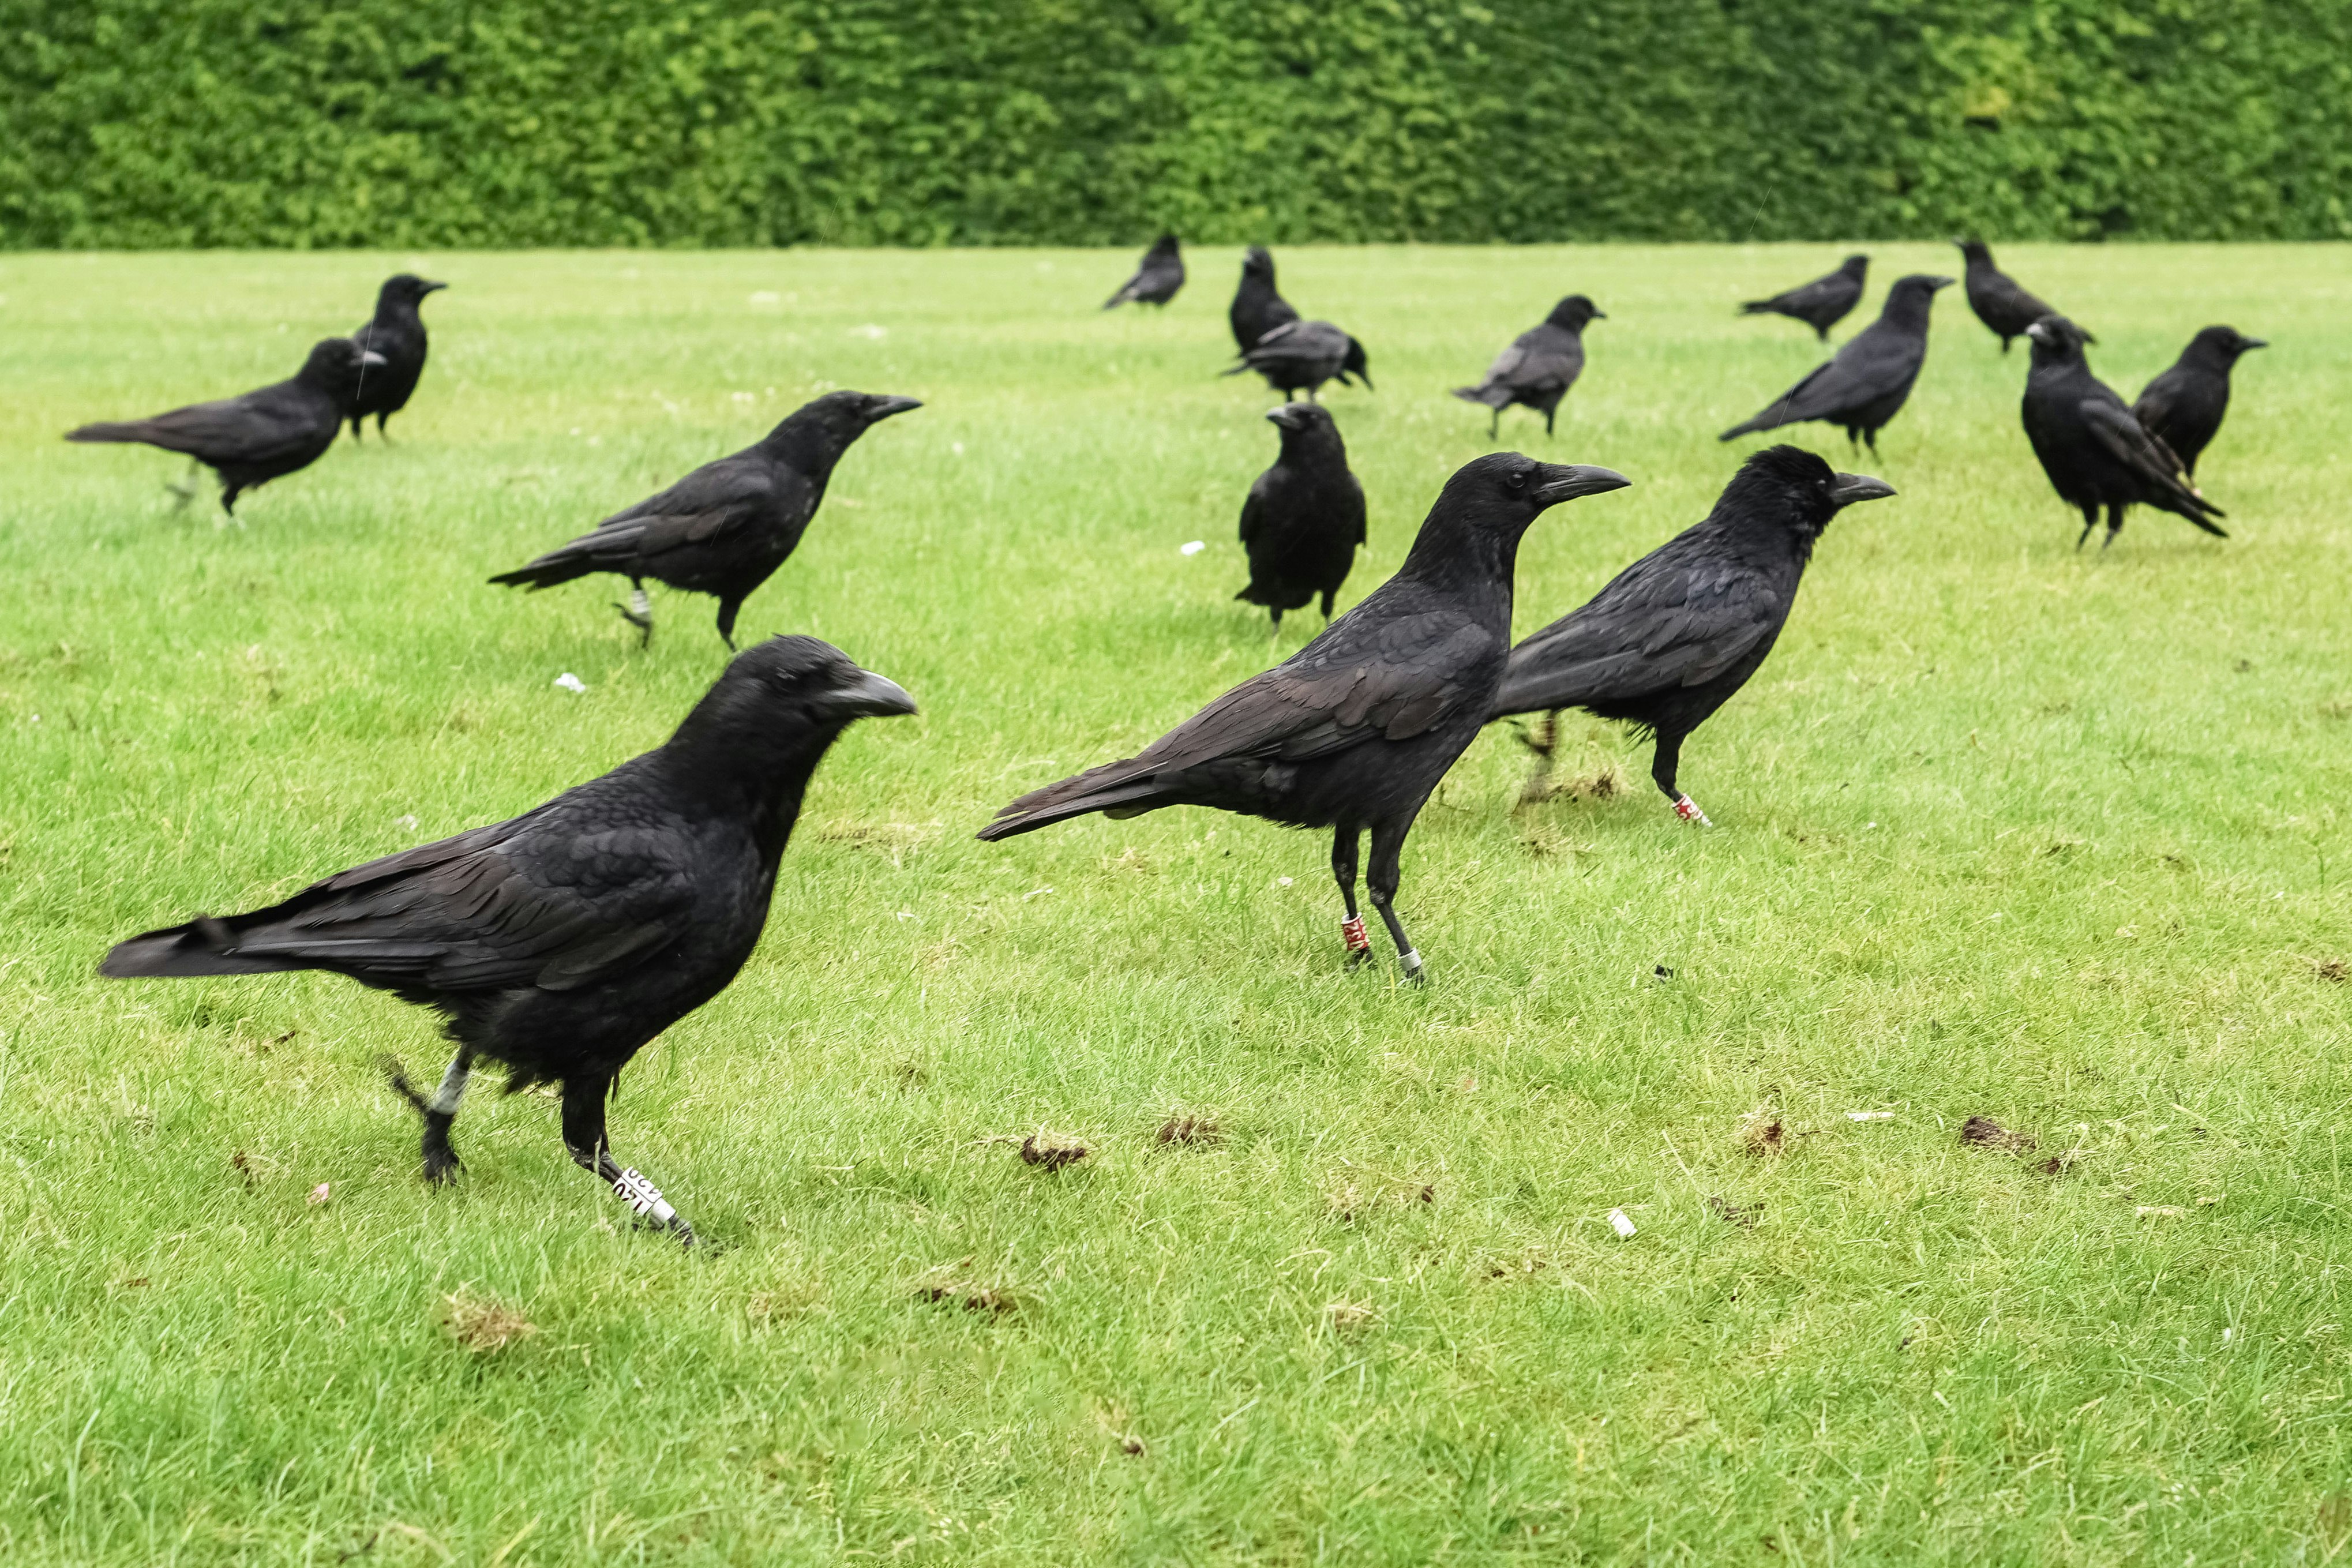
<point x="745" y="397"/>
<point x="570" y="682"/>
<point x="1282" y="882"/>
<point x="1034" y="893"/>
<point x="1622" y="1223"/>
<point x="320" y="1195"/>
<point x="1194" y="548"/>
<point x="957" y="447"/>
<point x="765" y="297"/>
<point x="409" y="822"/>
<point x="1870" y="1116"/>
<point x="869" y="331"/>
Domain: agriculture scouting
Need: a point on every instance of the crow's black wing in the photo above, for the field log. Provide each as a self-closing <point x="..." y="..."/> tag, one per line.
<point x="258" y="428"/>
<point x="1663" y="623"/>
<point x="2147" y="457"/>
<point x="715" y="500"/>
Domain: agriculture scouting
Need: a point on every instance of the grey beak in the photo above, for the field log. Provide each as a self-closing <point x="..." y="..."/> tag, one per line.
<point x="1566" y="481"/>
<point x="1599" y="315"/>
<point x="1941" y="282"/>
<point x="871" y="696"/>
<point x="2245" y="344"/>
<point x="1284" y="415"/>
<point x="882" y="408"/>
<point x="369" y="356"/>
<point x="432" y="288"/>
<point x="1853" y="487"/>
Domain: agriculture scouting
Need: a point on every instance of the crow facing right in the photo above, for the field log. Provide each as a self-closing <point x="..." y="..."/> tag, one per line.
<point x="1674" y="636"/>
<point x="2183" y="407"/>
<point x="262" y="435"/>
<point x="562" y="941"/>
<point x="2095" y="449"/>
<point x="1821" y="304"/>
<point x="1155" y="280"/>
<point x="725" y="527"/>
<point x="1540" y="367"/>
<point x="397" y="332"/>
<point x="1354" y="731"/>
<point x="1305" y="516"/>
<point x="1866" y="382"/>
<point x="1257" y="307"/>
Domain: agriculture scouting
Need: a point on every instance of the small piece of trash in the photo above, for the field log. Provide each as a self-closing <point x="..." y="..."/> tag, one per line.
<point x="1034" y="893"/>
<point x="319" y="1195"/>
<point x="570" y="682"/>
<point x="1194" y="548"/>
<point x="1621" y="1222"/>
<point x="2159" y="1211"/>
<point x="1282" y="882"/>
<point x="1870" y="1116"/>
<point x="957" y="447"/>
<point x="869" y="331"/>
<point x="765" y="297"/>
<point x="409" y="822"/>
<point x="2228" y="1334"/>
<point x="905" y="914"/>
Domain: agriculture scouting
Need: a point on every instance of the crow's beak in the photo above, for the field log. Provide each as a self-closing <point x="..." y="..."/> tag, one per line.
<point x="1853" y="487"/>
<point x="431" y="288"/>
<point x="870" y="696"/>
<point x="369" y="356"/>
<point x="1935" y="283"/>
<point x="1288" y="415"/>
<point x="1566" y="481"/>
<point x="2245" y="344"/>
<point x="883" y="407"/>
<point x="2038" y="332"/>
<point x="1599" y="315"/>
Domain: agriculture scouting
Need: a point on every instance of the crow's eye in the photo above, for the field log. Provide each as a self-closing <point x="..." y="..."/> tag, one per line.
<point x="1518" y="479"/>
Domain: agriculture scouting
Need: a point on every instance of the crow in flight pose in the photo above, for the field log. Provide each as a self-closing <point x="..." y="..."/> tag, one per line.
<point x="561" y="942"/>
<point x="1155" y="280"/>
<point x="1354" y="729"/>
<point x="2183" y="407"/>
<point x="1540" y="367"/>
<point x="725" y="527"/>
<point x="1303" y="517"/>
<point x="253" y="439"/>
<point x="1302" y="355"/>
<point x="1257" y="309"/>
<point x="1865" y="382"/>
<point x="2096" y="453"/>
<point x="397" y="332"/>
<point x="1822" y="303"/>
<point x="1995" y="298"/>
<point x="1677" y="633"/>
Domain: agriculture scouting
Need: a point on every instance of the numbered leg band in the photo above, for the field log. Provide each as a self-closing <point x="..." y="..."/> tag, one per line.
<point x="1687" y="809"/>
<point x="1351" y="931"/>
<point x="643" y="1198"/>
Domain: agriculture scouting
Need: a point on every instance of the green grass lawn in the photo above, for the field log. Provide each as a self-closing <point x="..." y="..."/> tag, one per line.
<point x="2002" y="830"/>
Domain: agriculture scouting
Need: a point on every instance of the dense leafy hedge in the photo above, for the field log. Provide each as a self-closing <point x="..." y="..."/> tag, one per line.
<point x="172" y="122"/>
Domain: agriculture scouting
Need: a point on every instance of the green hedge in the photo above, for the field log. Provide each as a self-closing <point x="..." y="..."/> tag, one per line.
<point x="513" y="123"/>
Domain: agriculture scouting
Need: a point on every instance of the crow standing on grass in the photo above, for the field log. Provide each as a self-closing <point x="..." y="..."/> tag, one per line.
<point x="2183" y="407"/>
<point x="1303" y="517"/>
<point x="1821" y="304"/>
<point x="1257" y="307"/>
<point x="1676" y="635"/>
<point x="1995" y="298"/>
<point x="560" y="943"/>
<point x="1155" y="280"/>
<point x="1866" y="382"/>
<point x="1300" y="356"/>
<point x="253" y="439"/>
<point x="1540" y="367"/>
<point x="1354" y="729"/>
<point x="725" y="527"/>
<point x="397" y="332"/>
<point x="2094" y="450"/>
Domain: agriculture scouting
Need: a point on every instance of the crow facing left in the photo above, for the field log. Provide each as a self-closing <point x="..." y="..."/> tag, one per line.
<point x="558" y="944"/>
<point x="725" y="527"/>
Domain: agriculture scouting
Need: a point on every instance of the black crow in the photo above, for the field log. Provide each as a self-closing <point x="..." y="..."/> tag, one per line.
<point x="253" y="439"/>
<point x="558" y="944"/>
<point x="1675" y="634"/>
<point x="397" y="332"/>
<point x="2095" y="451"/>
<point x="1821" y="304"/>
<point x="2183" y="407"/>
<point x="1356" y="729"/>
<point x="1303" y="517"/>
<point x="1865" y="382"/>
<point x="1300" y="356"/>
<point x="1155" y="280"/>
<point x="1257" y="309"/>
<point x="725" y="527"/>
<point x="1995" y="297"/>
<point x="1540" y="367"/>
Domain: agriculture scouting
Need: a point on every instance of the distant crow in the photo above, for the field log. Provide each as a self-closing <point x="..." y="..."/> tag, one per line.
<point x="397" y="332"/>
<point x="561" y="942"/>
<point x="1676" y="635"/>
<point x="1540" y="367"/>
<point x="2094" y="450"/>
<point x="1356" y="729"/>
<point x="1300" y="356"/>
<point x="1995" y="298"/>
<point x="1257" y="309"/>
<point x="2183" y="407"/>
<point x="253" y="439"/>
<point x="1822" y="303"/>
<point x="1866" y="382"/>
<point x="1155" y="280"/>
<point x="1303" y="517"/>
<point x="725" y="527"/>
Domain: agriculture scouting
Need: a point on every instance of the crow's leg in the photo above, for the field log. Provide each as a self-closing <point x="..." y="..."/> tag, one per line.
<point x="1327" y="602"/>
<point x="639" y="611"/>
<point x="1665" y="762"/>
<point x="1277" y="613"/>
<point x="1543" y="741"/>
<point x="1870" y="437"/>
<point x="1494" y="422"/>
<point x="229" y="492"/>
<point x="381" y="433"/>
<point x="727" y="608"/>
<point x="2115" y="526"/>
<point x="359" y="422"/>
<point x="1549" y="415"/>
<point x="1343" y="871"/>
<point x="441" y="1161"/>
<point x="1388" y="847"/>
<point x="2090" y="522"/>
<point x="185" y="488"/>
<point x="584" y="1138"/>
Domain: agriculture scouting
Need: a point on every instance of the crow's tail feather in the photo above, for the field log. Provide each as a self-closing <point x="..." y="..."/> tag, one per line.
<point x="196" y="948"/>
<point x="1488" y="396"/>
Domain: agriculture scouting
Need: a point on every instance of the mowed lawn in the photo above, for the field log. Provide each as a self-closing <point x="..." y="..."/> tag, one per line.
<point x="2002" y="830"/>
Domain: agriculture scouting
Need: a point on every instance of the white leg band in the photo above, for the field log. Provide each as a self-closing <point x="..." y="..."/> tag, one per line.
<point x="643" y="1198"/>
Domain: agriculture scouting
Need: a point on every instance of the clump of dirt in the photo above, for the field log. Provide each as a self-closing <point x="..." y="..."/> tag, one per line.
<point x="483" y="1326"/>
<point x="951" y="1287"/>
<point x="1189" y="1132"/>
<point x="2333" y="968"/>
<point x="1345" y="1316"/>
<point x="1984" y="1132"/>
<point x="1764" y="1135"/>
<point x="1744" y="1216"/>
<point x="1052" y="1149"/>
